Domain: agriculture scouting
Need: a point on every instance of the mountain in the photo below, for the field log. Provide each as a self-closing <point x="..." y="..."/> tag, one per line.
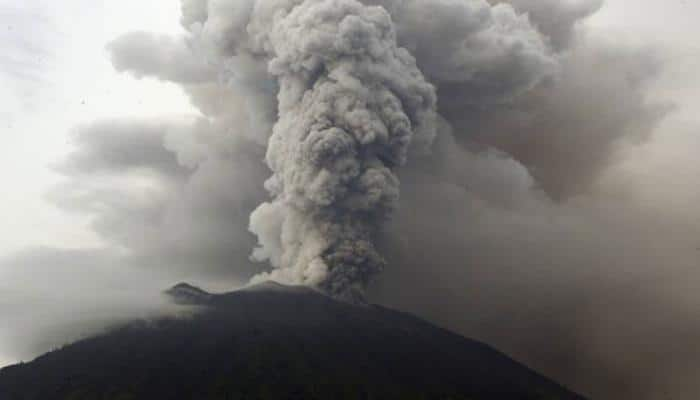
<point x="276" y="342"/>
<point x="186" y="294"/>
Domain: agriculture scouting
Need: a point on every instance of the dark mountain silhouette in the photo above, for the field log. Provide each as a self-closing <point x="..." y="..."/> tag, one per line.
<point x="276" y="342"/>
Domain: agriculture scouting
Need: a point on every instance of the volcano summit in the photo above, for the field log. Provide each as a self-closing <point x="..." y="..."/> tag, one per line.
<point x="276" y="342"/>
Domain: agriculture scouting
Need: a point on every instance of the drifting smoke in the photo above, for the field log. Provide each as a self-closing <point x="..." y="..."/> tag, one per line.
<point x="534" y="198"/>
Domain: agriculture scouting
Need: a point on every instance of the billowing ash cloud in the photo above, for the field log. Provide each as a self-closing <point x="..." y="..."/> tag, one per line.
<point x="542" y="208"/>
<point x="568" y="131"/>
<point x="351" y="103"/>
<point x="488" y="54"/>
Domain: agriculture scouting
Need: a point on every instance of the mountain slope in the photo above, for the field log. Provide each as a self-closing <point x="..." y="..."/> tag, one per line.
<point x="273" y="342"/>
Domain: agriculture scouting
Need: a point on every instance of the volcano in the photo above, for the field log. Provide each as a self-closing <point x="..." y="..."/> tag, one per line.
<point x="276" y="342"/>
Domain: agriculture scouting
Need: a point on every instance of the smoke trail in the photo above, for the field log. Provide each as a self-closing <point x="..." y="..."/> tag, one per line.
<point x="350" y="104"/>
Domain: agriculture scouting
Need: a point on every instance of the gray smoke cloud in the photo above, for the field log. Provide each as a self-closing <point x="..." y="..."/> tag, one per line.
<point x="159" y="55"/>
<point x="488" y="54"/>
<point x="176" y="191"/>
<point x="546" y="197"/>
<point x="567" y="132"/>
<point x="350" y="104"/>
<point x="556" y="19"/>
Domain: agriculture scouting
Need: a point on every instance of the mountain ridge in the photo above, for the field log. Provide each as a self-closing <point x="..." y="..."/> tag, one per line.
<point x="272" y="341"/>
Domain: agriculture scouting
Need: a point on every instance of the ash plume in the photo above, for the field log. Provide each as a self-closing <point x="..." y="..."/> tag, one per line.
<point x="350" y="104"/>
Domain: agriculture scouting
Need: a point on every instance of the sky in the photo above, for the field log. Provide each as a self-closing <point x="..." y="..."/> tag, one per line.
<point x="57" y="75"/>
<point x="59" y="80"/>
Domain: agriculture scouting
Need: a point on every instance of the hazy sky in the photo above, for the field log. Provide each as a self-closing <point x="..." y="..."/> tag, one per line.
<point x="57" y="76"/>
